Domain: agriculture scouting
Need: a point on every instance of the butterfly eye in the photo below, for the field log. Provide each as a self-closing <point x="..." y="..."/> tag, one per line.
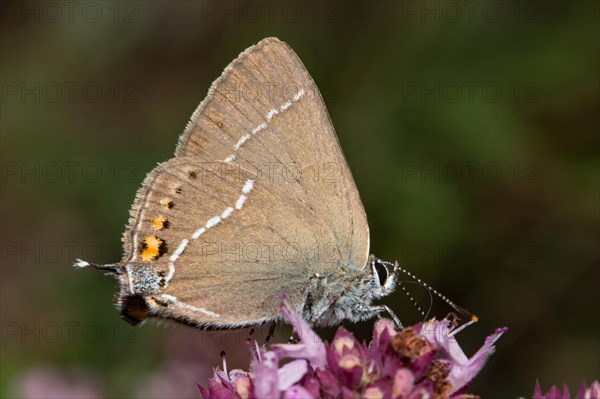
<point x="381" y="271"/>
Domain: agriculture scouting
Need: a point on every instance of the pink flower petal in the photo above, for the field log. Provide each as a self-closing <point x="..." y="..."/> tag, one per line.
<point x="266" y="383"/>
<point x="591" y="392"/>
<point x="537" y="392"/>
<point x="462" y="368"/>
<point x="297" y="392"/>
<point x="403" y="383"/>
<point x="291" y="373"/>
<point x="310" y="347"/>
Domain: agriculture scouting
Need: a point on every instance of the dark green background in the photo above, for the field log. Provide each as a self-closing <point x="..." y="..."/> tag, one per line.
<point x="514" y="237"/>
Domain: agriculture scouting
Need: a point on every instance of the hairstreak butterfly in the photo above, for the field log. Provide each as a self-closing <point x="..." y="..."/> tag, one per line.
<point x="258" y="201"/>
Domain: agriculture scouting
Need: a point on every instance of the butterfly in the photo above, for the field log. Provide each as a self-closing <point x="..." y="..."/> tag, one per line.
<point x="257" y="201"/>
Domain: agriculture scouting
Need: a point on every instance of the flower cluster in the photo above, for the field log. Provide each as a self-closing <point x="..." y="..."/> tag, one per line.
<point x="417" y="362"/>
<point x="585" y="392"/>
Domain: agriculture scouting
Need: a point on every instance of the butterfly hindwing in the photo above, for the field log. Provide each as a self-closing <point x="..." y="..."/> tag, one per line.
<point x="199" y="233"/>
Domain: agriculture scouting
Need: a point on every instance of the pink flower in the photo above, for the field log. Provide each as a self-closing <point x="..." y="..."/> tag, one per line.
<point x="585" y="392"/>
<point x="461" y="369"/>
<point x="420" y="361"/>
<point x="310" y="347"/>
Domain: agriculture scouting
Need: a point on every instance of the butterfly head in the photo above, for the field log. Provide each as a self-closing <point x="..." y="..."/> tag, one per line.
<point x="384" y="277"/>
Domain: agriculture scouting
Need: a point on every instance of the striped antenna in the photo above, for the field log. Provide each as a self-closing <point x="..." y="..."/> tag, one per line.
<point x="412" y="299"/>
<point x="454" y="306"/>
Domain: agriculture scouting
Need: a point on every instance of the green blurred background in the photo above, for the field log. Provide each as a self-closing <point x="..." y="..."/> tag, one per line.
<point x="472" y="131"/>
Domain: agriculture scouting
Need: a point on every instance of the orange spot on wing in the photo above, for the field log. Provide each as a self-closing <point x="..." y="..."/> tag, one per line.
<point x="152" y="248"/>
<point x="160" y="223"/>
<point x="167" y="203"/>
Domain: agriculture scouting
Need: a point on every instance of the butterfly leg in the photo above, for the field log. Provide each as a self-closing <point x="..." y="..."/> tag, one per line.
<point x="384" y="308"/>
<point x="270" y="333"/>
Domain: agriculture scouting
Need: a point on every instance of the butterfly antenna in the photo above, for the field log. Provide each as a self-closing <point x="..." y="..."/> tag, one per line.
<point x="109" y="269"/>
<point x="459" y="309"/>
<point x="412" y="299"/>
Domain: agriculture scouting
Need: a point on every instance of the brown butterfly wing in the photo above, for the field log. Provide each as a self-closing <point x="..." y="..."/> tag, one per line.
<point x="230" y="245"/>
<point x="303" y="198"/>
<point x="299" y="140"/>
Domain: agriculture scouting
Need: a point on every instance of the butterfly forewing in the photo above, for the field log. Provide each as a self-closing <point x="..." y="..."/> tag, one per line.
<point x="266" y="112"/>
